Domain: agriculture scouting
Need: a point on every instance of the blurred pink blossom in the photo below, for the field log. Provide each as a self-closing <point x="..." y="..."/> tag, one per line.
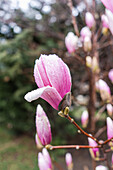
<point x="109" y="15"/>
<point x="85" y="32"/>
<point x="109" y="109"/>
<point x="109" y="128"/>
<point x="84" y="118"/>
<point x="71" y="42"/>
<point x="95" y="151"/>
<point x="43" y="127"/>
<point x="44" y="160"/>
<point x="53" y="78"/>
<point x="89" y="19"/>
<point x="68" y="159"/>
<point x="108" y="4"/>
<point x="110" y="75"/>
<point x="104" y="20"/>
<point x="101" y="167"/>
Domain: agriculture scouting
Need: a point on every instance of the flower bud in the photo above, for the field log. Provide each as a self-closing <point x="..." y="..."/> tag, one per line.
<point x="71" y="42"/>
<point x="93" y="151"/>
<point x="104" y="90"/>
<point x="44" y="160"/>
<point x="84" y="118"/>
<point x="89" y="19"/>
<point x="87" y="44"/>
<point x="109" y="109"/>
<point x="110" y="130"/>
<point x="68" y="159"/>
<point x="38" y="142"/>
<point x="112" y="161"/>
<point x="109" y="15"/>
<point x="110" y="75"/>
<point x="92" y="63"/>
<point x="104" y="20"/>
<point x="43" y="126"/>
<point x="85" y="32"/>
<point x="101" y="167"/>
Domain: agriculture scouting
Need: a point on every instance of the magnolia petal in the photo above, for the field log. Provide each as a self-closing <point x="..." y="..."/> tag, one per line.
<point x="110" y="19"/>
<point x="108" y="4"/>
<point x="47" y="93"/>
<point x="47" y="157"/>
<point x="58" y="74"/>
<point x="109" y="128"/>
<point x="43" y="165"/>
<point x="43" y="126"/>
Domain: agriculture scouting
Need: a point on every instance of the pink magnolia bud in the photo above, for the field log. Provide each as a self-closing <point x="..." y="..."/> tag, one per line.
<point x="89" y="19"/>
<point x="109" y="128"/>
<point x="104" y="20"/>
<point x="43" y="126"/>
<point x="108" y="4"/>
<point x="44" y="160"/>
<point x="112" y="160"/>
<point x="110" y="75"/>
<point x="109" y="15"/>
<point x="71" y="42"/>
<point x="53" y="85"/>
<point x="68" y="159"/>
<point x="85" y="32"/>
<point x="95" y="151"/>
<point x="87" y="44"/>
<point x="84" y="118"/>
<point x="101" y="167"/>
<point x="109" y="109"/>
<point x="104" y="90"/>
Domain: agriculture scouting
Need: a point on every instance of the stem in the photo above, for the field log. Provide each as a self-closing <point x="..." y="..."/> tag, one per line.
<point x="74" y="146"/>
<point x="73" y="18"/>
<point x="82" y="131"/>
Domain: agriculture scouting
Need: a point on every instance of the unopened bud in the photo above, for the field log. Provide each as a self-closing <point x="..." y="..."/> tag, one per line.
<point x="87" y="44"/>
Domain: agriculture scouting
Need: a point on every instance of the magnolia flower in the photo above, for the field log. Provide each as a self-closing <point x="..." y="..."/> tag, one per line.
<point x="87" y="44"/>
<point x="84" y="118"/>
<point x="85" y="32"/>
<point x="101" y="167"/>
<point x="69" y="162"/>
<point x="94" y="151"/>
<point x="110" y="75"/>
<point x="71" y="42"/>
<point x="109" y="15"/>
<point x="108" y="4"/>
<point x="109" y="109"/>
<point x="89" y="19"/>
<point x="53" y="78"/>
<point x="109" y="128"/>
<point x="92" y="63"/>
<point x="104" y="89"/>
<point x="43" y="127"/>
<point x="44" y="160"/>
<point x="104" y="20"/>
<point x="112" y="160"/>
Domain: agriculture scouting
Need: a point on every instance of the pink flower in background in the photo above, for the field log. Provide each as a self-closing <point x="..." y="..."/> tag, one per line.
<point x="84" y="118"/>
<point x="69" y="162"/>
<point x="109" y="109"/>
<point x="109" y="15"/>
<point x="43" y="127"/>
<point x="110" y="75"/>
<point x="85" y="32"/>
<point x="95" y="151"/>
<point x="103" y="88"/>
<point x="71" y="42"/>
<point x="101" y="167"/>
<point x="44" y="160"/>
<point x="104" y="20"/>
<point x="89" y="19"/>
<point x="108" y="4"/>
<point x="53" y="78"/>
<point x="109" y="128"/>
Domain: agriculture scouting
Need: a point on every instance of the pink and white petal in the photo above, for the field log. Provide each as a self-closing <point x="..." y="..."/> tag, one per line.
<point x="48" y="93"/>
<point x="43" y="165"/>
<point x="42" y="71"/>
<point x="110" y="19"/>
<point x="37" y="75"/>
<point x="58" y="74"/>
<point x="108" y="4"/>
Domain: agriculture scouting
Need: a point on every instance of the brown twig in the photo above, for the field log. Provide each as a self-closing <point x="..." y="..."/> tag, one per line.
<point x="70" y="4"/>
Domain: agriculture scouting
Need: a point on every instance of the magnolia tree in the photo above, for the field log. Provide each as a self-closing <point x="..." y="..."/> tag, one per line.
<point x="53" y="79"/>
